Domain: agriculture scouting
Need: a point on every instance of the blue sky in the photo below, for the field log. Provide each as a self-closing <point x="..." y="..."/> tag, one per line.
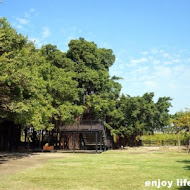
<point x="150" y="38"/>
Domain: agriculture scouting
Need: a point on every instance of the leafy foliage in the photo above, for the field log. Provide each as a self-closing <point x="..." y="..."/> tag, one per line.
<point x="34" y="89"/>
<point x="140" y="114"/>
<point x="39" y="86"/>
<point x="181" y="122"/>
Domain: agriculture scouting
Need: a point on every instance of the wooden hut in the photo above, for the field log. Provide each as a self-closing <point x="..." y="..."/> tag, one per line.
<point x="85" y="135"/>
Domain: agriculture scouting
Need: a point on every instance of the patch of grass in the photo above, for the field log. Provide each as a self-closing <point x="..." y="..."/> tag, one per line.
<point x="112" y="170"/>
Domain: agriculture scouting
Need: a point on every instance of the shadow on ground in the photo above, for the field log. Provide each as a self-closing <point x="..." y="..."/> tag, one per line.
<point x="4" y="157"/>
<point x="184" y="188"/>
<point x="186" y="167"/>
<point x="187" y="164"/>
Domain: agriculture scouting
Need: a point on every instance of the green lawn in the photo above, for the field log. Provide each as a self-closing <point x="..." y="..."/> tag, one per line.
<point x="110" y="170"/>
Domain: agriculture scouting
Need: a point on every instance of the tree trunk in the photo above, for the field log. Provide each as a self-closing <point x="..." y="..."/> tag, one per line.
<point x="179" y="142"/>
<point x="189" y="142"/>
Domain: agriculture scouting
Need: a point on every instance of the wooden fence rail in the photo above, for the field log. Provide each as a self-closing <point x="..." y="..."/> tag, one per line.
<point x="163" y="143"/>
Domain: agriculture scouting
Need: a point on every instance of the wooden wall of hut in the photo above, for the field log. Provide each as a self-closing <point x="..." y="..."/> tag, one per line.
<point x="67" y="141"/>
<point x="9" y="136"/>
<point x="120" y="142"/>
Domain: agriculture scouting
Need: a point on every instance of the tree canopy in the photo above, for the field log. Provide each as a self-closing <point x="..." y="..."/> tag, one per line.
<point x="181" y="119"/>
<point x="34" y="88"/>
<point x="40" y="86"/>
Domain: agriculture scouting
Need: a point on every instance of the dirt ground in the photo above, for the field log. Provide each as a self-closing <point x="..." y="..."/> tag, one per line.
<point x="11" y="163"/>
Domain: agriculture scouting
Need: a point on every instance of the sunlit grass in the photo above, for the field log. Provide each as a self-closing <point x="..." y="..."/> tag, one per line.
<point x="110" y="170"/>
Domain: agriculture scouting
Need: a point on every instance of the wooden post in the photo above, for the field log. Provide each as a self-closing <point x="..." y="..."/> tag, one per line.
<point x="80" y="141"/>
<point x="59" y="138"/>
<point x="42" y="143"/>
<point x="74" y="135"/>
<point x="105" y="141"/>
<point x="48" y="138"/>
<point x="96" y="142"/>
<point x="40" y="146"/>
<point x="101" y="141"/>
<point x="33" y="139"/>
<point x="10" y="140"/>
<point x="1" y="143"/>
<point x="25" y="137"/>
<point x="188" y="150"/>
<point x="56" y="125"/>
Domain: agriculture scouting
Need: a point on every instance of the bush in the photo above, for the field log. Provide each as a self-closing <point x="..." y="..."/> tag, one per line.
<point x="164" y="139"/>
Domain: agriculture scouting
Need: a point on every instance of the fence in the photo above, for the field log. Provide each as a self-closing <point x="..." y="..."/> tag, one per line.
<point x="163" y="143"/>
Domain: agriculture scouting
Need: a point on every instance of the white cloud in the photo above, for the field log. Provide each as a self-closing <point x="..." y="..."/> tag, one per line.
<point x="80" y="31"/>
<point x="141" y="70"/>
<point x="167" y="62"/>
<point x="166" y="55"/>
<point x="17" y="26"/>
<point x="176" y="60"/>
<point x="179" y="69"/>
<point x="105" y="45"/>
<point x="46" y="32"/>
<point x="30" y="12"/>
<point x="121" y="66"/>
<point x="22" y="21"/>
<point x="172" y="85"/>
<point x="137" y="61"/>
<point x="70" y="33"/>
<point x="156" y="62"/>
<point x="151" y="84"/>
<point x="144" y="53"/>
<point x="27" y="15"/>
<point x="163" y="71"/>
<point x="154" y="51"/>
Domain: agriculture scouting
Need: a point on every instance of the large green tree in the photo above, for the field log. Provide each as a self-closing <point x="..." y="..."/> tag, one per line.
<point x="181" y="122"/>
<point x="91" y="67"/>
<point x="41" y="86"/>
<point x="140" y="114"/>
<point x="34" y="89"/>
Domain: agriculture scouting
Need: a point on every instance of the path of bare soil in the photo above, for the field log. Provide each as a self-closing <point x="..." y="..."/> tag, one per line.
<point x="11" y="163"/>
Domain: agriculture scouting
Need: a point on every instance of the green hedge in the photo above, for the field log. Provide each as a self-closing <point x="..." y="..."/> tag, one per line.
<point x="164" y="139"/>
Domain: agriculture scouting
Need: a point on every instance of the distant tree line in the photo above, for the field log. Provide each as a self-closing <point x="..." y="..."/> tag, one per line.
<point x="41" y="86"/>
<point x="180" y="122"/>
